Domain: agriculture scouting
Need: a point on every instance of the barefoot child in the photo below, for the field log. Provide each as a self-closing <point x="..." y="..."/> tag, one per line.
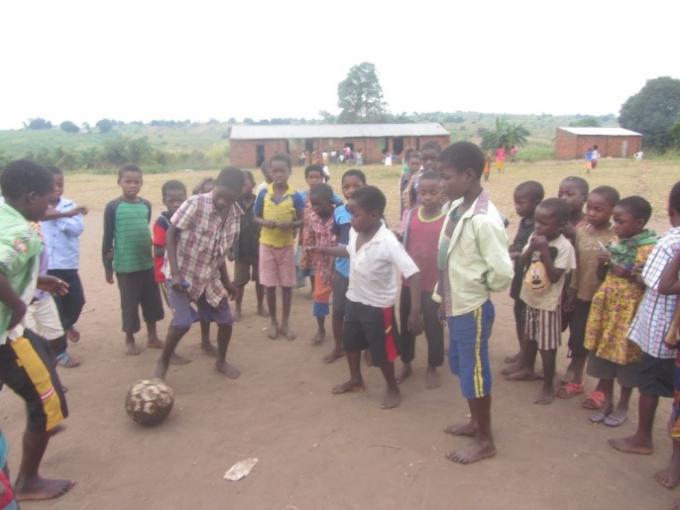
<point x="351" y="181"/>
<point x="527" y="196"/>
<point x="574" y="191"/>
<point x="474" y="232"/>
<point x="612" y="355"/>
<point x="590" y="244"/>
<point x="126" y="250"/>
<point x="278" y="209"/>
<point x="549" y="257"/>
<point x="374" y="254"/>
<point x="650" y="326"/>
<point x="26" y="364"/>
<point x="201" y="234"/>
<point x="318" y="232"/>
<point x="62" y="227"/>
<point x="420" y="235"/>
<point x="246" y="249"/>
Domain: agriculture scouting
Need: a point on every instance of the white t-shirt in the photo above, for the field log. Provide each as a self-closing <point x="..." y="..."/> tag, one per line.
<point x="372" y="276"/>
<point x="594" y="156"/>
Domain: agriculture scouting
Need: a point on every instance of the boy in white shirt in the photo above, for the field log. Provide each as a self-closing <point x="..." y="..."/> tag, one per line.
<point x="374" y="252"/>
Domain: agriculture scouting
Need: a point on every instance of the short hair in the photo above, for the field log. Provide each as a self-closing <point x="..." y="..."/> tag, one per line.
<point x="557" y="207"/>
<point x="608" y="193"/>
<point x="173" y="185"/>
<point x="54" y="170"/>
<point x="128" y="168"/>
<point x="285" y="158"/>
<point x="199" y="187"/>
<point x="579" y="182"/>
<point x="431" y="146"/>
<point x="314" y="168"/>
<point x="674" y="197"/>
<point x="370" y="199"/>
<point x="22" y="176"/>
<point x="637" y="206"/>
<point x="231" y="178"/>
<point x="247" y="174"/>
<point x="429" y="176"/>
<point x="413" y="154"/>
<point x="464" y="155"/>
<point x="532" y="188"/>
<point x="354" y="172"/>
<point x="321" y="191"/>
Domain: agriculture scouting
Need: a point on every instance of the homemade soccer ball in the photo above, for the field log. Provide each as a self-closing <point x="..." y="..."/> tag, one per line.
<point x="149" y="401"/>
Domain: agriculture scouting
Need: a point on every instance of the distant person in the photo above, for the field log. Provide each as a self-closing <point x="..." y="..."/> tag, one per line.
<point x="126" y="250"/>
<point x="429" y="154"/>
<point x="639" y="155"/>
<point x="500" y="158"/>
<point x="513" y="153"/>
<point x="409" y="182"/>
<point x="487" y="167"/>
<point x="302" y="158"/>
<point x="588" y="160"/>
<point x="359" y="158"/>
<point x="594" y="157"/>
<point x="388" y="158"/>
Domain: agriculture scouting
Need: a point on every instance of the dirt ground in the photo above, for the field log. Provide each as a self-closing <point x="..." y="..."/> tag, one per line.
<point x="316" y="450"/>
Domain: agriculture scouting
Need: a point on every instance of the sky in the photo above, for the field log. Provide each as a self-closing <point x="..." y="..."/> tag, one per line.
<point x="146" y="59"/>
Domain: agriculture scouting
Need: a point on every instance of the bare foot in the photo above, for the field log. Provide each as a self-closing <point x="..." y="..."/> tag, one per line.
<point x="669" y="477"/>
<point x="392" y="399"/>
<point x="208" y="348"/>
<point x="73" y="334"/>
<point x="176" y="359"/>
<point x="432" y="379"/>
<point x="273" y="331"/>
<point x="131" y="349"/>
<point x="368" y="359"/>
<point x="237" y="315"/>
<point x="405" y="373"/>
<point x="262" y="312"/>
<point x="464" y="429"/>
<point x="513" y="368"/>
<point x="512" y="359"/>
<point x="319" y="338"/>
<point x="473" y="453"/>
<point x="229" y="370"/>
<point x="288" y="333"/>
<point x="632" y="444"/>
<point x="335" y="354"/>
<point x="523" y="375"/>
<point x="38" y="489"/>
<point x="349" y="387"/>
<point x="545" y="397"/>
<point x="154" y="343"/>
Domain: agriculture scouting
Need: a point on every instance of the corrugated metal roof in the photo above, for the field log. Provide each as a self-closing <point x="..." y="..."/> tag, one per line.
<point x="600" y="131"/>
<point x="241" y="132"/>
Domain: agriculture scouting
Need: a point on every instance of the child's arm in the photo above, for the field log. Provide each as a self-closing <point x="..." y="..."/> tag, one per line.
<point x="258" y="209"/>
<point x="493" y="248"/>
<point x="540" y="244"/>
<point x="334" y="251"/>
<point x="415" y="318"/>
<point x="178" y="282"/>
<point x="53" y="214"/>
<point x="108" y="240"/>
<point x="159" y="239"/>
<point x="12" y="301"/>
<point x="669" y="283"/>
<point x="231" y="289"/>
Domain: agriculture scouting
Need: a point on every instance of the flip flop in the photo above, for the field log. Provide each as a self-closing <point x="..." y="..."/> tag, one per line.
<point x="598" y="417"/>
<point x="594" y="401"/>
<point x="570" y="390"/>
<point x="615" y="421"/>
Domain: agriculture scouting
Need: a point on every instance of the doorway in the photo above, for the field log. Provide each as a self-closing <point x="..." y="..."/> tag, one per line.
<point x="624" y="149"/>
<point x="259" y="155"/>
<point x="309" y="145"/>
<point x="398" y="145"/>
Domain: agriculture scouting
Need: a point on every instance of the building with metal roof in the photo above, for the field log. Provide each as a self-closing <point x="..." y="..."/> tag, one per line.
<point x="612" y="142"/>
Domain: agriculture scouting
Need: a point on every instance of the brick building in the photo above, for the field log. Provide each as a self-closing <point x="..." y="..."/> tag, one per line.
<point x="573" y="142"/>
<point x="251" y="145"/>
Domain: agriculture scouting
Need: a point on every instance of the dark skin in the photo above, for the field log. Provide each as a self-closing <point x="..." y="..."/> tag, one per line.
<point x="324" y="209"/>
<point x="641" y="441"/>
<point x="280" y="172"/>
<point x="465" y="183"/>
<point x="575" y="198"/>
<point x="223" y="199"/>
<point x="312" y="179"/>
<point x="29" y="485"/>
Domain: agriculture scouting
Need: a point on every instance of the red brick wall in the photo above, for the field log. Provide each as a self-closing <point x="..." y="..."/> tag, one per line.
<point x="570" y="146"/>
<point x="243" y="153"/>
<point x="565" y="145"/>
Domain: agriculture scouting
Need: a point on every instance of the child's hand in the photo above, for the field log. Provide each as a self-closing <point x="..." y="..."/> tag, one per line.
<point x="18" y="312"/>
<point x="78" y="210"/>
<point x="285" y="225"/>
<point x="570" y="300"/>
<point x="53" y="285"/>
<point x="269" y="224"/>
<point x="514" y="255"/>
<point x="415" y="322"/>
<point x="604" y="256"/>
<point x="539" y="242"/>
<point x="179" y="284"/>
<point x="109" y="278"/>
<point x="232" y="290"/>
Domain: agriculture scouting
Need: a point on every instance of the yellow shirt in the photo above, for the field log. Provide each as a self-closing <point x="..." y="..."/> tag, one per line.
<point x="283" y="210"/>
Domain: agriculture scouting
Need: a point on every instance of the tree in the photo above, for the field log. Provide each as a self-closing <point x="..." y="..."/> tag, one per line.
<point x="104" y="125"/>
<point x="588" y="121"/>
<point x="38" y="123"/>
<point x="69" y="127"/>
<point x="360" y="96"/>
<point x="504" y="133"/>
<point x="653" y="111"/>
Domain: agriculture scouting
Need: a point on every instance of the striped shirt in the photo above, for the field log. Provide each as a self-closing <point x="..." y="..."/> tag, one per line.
<point x="127" y="236"/>
<point x="655" y="312"/>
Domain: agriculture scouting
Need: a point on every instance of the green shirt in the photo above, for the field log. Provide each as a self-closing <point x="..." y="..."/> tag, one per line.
<point x="127" y="236"/>
<point x="20" y="248"/>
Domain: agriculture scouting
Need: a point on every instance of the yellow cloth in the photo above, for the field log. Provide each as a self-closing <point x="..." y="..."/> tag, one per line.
<point x="279" y="212"/>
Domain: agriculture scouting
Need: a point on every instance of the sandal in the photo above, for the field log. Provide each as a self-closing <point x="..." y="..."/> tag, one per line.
<point x="598" y="417"/>
<point x="67" y="361"/>
<point x="614" y="420"/>
<point x="594" y="401"/>
<point x="569" y="390"/>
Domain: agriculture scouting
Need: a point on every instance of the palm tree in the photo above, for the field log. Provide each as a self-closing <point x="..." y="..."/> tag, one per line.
<point x="504" y="133"/>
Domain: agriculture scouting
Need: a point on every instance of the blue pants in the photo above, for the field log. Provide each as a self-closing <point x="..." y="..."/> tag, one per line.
<point x="469" y="350"/>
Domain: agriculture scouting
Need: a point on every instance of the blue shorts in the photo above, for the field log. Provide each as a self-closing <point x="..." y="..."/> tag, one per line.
<point x="184" y="314"/>
<point x="469" y="350"/>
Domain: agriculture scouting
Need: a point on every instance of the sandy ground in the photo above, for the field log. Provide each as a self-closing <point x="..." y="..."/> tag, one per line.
<point x="315" y="450"/>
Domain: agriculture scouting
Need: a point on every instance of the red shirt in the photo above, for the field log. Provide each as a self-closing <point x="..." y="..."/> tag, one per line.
<point x="421" y="240"/>
<point x="160" y="230"/>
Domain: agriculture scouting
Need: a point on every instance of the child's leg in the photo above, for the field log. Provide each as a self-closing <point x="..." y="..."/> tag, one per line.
<point x="259" y="293"/>
<point x="152" y="306"/>
<point x="641" y="441"/>
<point x="434" y="333"/>
<point x="607" y="388"/>
<point x="322" y="297"/>
<point x="130" y="297"/>
<point x="287" y="302"/>
<point x="271" y="304"/>
<point x="175" y="334"/>
<point x="353" y="342"/>
<point x="529" y="345"/>
<point x="339" y="303"/>
<point x="223" y="339"/>
<point x="669" y="477"/>
<point x="239" y="301"/>
<point x="547" y="394"/>
<point x="516" y="360"/>
<point x="206" y="344"/>
<point x="407" y="345"/>
<point x="527" y="372"/>
<point x="392" y="395"/>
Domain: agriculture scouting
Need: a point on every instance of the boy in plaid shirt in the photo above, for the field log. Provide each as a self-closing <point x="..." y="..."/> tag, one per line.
<point x="201" y="234"/>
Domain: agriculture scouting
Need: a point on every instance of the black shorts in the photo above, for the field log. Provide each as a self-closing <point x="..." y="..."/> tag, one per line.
<point x="375" y="329"/>
<point x="340" y="286"/>
<point x="28" y="367"/>
<point x="577" y="328"/>
<point x="656" y="376"/>
<point x="139" y="289"/>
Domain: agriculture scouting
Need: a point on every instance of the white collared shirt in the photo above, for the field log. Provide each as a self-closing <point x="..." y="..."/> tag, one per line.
<point x="372" y="276"/>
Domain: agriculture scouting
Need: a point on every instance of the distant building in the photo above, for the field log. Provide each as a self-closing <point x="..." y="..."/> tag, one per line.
<point x="573" y="142"/>
<point x="251" y="145"/>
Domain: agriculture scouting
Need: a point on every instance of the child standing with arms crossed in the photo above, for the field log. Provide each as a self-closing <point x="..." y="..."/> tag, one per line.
<point x="126" y="250"/>
<point x="474" y="232"/>
<point x="420" y="234"/>
<point x="279" y="209"/>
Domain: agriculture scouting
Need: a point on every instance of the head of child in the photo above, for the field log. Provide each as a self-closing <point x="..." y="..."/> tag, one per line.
<point x="205" y="186"/>
<point x="674" y="205"/>
<point x="174" y="194"/>
<point x="249" y="182"/>
<point x="630" y="216"/>
<point x="460" y="169"/>
<point x="130" y="180"/>
<point x="58" y="184"/>
<point x="27" y="187"/>
<point x="430" y="192"/>
<point x="414" y="161"/>
<point x="527" y="196"/>
<point x="366" y="206"/>
<point x="314" y="175"/>
<point x="551" y="216"/>
<point x="351" y="181"/>
<point x="600" y="205"/>
<point x="280" y="169"/>
<point x="574" y="191"/>
<point x="228" y="188"/>
<point x="428" y="156"/>
<point x="321" y="200"/>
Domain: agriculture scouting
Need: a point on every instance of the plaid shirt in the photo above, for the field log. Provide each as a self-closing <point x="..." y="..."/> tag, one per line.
<point x="655" y="312"/>
<point x="205" y="238"/>
<point x="318" y="232"/>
